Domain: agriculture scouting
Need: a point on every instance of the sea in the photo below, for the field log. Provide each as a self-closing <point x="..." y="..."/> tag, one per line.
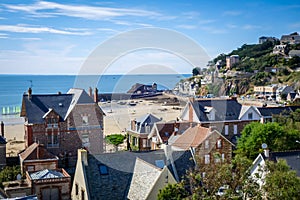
<point x="12" y="87"/>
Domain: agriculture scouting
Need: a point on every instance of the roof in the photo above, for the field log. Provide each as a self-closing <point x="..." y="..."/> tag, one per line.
<point x="36" y="151"/>
<point x="292" y="158"/>
<point x="269" y="111"/>
<point x="144" y="178"/>
<point x="2" y="140"/>
<point x="148" y="119"/>
<point x="138" y="86"/>
<point x="166" y="129"/>
<point x="119" y="178"/>
<point x="226" y="109"/>
<point x="244" y="109"/>
<point x="192" y="137"/>
<point x="46" y="174"/>
<point x="38" y="105"/>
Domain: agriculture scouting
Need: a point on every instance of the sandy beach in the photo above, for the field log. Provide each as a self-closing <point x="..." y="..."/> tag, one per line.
<point x="117" y="119"/>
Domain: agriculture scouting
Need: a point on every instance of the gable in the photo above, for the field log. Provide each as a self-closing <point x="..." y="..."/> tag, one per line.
<point x="246" y="113"/>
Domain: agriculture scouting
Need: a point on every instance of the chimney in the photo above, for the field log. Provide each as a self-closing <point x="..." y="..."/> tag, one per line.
<point x="90" y="92"/>
<point x="82" y="156"/>
<point x="96" y="96"/>
<point x="2" y="129"/>
<point x="29" y="93"/>
<point x="267" y="153"/>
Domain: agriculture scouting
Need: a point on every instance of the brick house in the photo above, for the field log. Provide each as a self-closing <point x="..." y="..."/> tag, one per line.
<point x="139" y="131"/>
<point x="226" y="115"/>
<point x="36" y="158"/>
<point x="207" y="144"/>
<point x="63" y="122"/>
<point x="163" y="131"/>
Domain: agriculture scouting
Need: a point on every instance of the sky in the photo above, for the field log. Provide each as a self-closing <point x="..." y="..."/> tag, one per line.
<point x="57" y="37"/>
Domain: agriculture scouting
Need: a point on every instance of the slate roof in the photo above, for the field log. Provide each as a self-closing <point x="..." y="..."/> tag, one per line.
<point x="148" y="119"/>
<point x="291" y="157"/>
<point x="38" y="105"/>
<point x="46" y="174"/>
<point x="226" y="109"/>
<point x="269" y="111"/>
<point x="36" y="151"/>
<point x="183" y="161"/>
<point x="2" y="140"/>
<point x="120" y="167"/>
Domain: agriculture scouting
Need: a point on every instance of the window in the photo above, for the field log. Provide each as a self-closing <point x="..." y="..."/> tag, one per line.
<point x="52" y="122"/>
<point x="85" y="120"/>
<point x="147" y="128"/>
<point x="52" y="138"/>
<point x="226" y="129"/>
<point x="223" y="157"/>
<point x="206" y="159"/>
<point x="76" y="189"/>
<point x="206" y="144"/>
<point x="219" y="144"/>
<point x="30" y="168"/>
<point x="235" y="129"/>
<point x="145" y="143"/>
<point x="250" y="115"/>
<point x="85" y="140"/>
<point x="160" y="163"/>
<point x="103" y="170"/>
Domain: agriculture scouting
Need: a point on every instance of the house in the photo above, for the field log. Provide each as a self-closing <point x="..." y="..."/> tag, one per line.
<point x="267" y="113"/>
<point x="43" y="178"/>
<point x="283" y="91"/>
<point x="163" y="131"/>
<point x="121" y="175"/>
<point x="142" y="88"/>
<point x="265" y="91"/>
<point x="2" y="147"/>
<point x="207" y="144"/>
<point x="227" y="115"/>
<point x="139" y="131"/>
<point x="293" y="38"/>
<point x="266" y="39"/>
<point x="280" y="49"/>
<point x="63" y="122"/>
<point x="36" y="158"/>
<point x="257" y="168"/>
<point x="293" y="53"/>
<point x="231" y="60"/>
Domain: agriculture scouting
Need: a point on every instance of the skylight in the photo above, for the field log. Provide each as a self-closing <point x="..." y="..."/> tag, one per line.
<point x="160" y="163"/>
<point x="103" y="170"/>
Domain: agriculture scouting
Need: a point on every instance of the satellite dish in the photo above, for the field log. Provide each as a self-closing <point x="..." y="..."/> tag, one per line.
<point x="264" y="145"/>
<point x="19" y="177"/>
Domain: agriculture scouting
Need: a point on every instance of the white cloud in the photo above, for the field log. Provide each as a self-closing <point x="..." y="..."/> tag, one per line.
<point x="48" y="9"/>
<point x="35" y="29"/>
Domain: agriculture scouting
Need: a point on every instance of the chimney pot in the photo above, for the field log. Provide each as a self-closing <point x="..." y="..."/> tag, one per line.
<point x="29" y="93"/>
<point x="96" y="96"/>
<point x="2" y="129"/>
<point x="90" y="92"/>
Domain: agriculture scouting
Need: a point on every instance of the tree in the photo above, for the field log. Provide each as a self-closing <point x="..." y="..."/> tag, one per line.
<point x="173" y="192"/>
<point x="9" y="174"/>
<point x="196" y="71"/>
<point x="115" y="139"/>
<point x="281" y="182"/>
<point x="277" y="138"/>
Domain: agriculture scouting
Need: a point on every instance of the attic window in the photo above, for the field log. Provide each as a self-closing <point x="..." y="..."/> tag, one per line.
<point x="160" y="163"/>
<point x="103" y="170"/>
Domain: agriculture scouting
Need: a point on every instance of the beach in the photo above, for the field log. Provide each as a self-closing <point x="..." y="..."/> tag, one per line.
<point x="118" y="115"/>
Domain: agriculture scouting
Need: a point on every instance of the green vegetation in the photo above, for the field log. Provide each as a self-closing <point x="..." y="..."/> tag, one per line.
<point x="9" y="174"/>
<point x="115" y="139"/>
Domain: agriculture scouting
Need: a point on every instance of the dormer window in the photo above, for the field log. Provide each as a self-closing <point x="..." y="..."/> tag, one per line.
<point x="250" y="115"/>
<point x="52" y="122"/>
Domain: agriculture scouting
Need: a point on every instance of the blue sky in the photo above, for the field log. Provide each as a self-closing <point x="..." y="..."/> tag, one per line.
<point x="55" y="37"/>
